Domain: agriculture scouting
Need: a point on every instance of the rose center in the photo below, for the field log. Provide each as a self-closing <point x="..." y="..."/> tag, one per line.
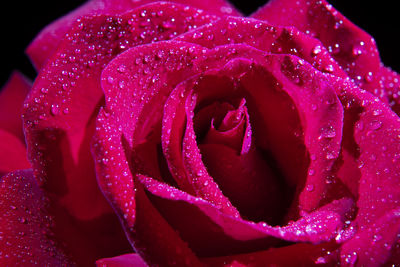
<point x="224" y="137"/>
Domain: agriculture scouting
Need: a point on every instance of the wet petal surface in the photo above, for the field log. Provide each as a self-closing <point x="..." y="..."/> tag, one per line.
<point x="26" y="234"/>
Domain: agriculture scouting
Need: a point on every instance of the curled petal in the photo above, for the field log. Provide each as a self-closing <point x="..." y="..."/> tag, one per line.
<point x="151" y="236"/>
<point x="235" y="235"/>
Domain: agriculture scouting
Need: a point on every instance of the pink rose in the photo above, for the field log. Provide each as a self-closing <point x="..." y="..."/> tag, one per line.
<point x="160" y="134"/>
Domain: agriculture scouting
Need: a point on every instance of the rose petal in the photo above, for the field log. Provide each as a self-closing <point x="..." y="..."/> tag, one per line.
<point x="390" y="83"/>
<point x="265" y="37"/>
<point x="12" y="97"/>
<point x="304" y="76"/>
<point x="373" y="245"/>
<point x="127" y="260"/>
<point x="351" y="47"/>
<point x="151" y="99"/>
<point x="129" y="110"/>
<point x="26" y="236"/>
<point x="60" y="128"/>
<point x="12" y="153"/>
<point x="47" y="41"/>
<point x="231" y="235"/>
<point x="376" y="136"/>
<point x="234" y="130"/>
<point x="247" y="181"/>
<point x="196" y="171"/>
<point x="292" y="255"/>
<point x="320" y="110"/>
<point x="153" y="238"/>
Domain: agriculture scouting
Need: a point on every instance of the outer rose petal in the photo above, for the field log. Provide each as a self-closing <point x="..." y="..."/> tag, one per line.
<point x="376" y="138"/>
<point x="46" y="43"/>
<point x="61" y="108"/>
<point x="59" y="127"/>
<point x="127" y="260"/>
<point x="12" y="153"/>
<point x="351" y="47"/>
<point x="265" y="37"/>
<point x="373" y="245"/>
<point x="26" y="236"/>
<point x="12" y="97"/>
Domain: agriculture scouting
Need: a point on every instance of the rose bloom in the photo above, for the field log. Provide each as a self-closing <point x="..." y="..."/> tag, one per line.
<point x="184" y="134"/>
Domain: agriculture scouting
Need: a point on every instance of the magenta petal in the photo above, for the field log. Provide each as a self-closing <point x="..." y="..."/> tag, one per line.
<point x="12" y="97"/>
<point x="231" y="234"/>
<point x="287" y="256"/>
<point x="265" y="37"/>
<point x="60" y="126"/>
<point x="373" y="244"/>
<point x="247" y="181"/>
<point x="12" y="153"/>
<point x="234" y="130"/>
<point x="60" y="113"/>
<point x="46" y="43"/>
<point x="25" y="225"/>
<point x="351" y="47"/>
<point x="377" y="135"/>
<point x="153" y="238"/>
<point x="320" y="111"/>
<point x="127" y="260"/>
<point x="390" y="84"/>
<point x="204" y="185"/>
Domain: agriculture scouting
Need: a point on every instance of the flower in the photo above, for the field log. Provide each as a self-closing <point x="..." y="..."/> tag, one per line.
<point x="162" y="134"/>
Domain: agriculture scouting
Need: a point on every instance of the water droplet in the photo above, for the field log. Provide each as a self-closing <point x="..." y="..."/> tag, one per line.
<point x="376" y="238"/>
<point x="329" y="68"/>
<point x="358" y="49"/>
<point x="110" y="79"/>
<point x="55" y="109"/>
<point x="159" y="55"/>
<point x="316" y="50"/>
<point x="314" y="107"/>
<point x="167" y="24"/>
<point x="121" y="84"/>
<point x="121" y="68"/>
<point x="375" y="125"/>
<point x="351" y="258"/>
<point x="22" y="220"/>
<point x="330" y="155"/>
<point x="377" y="112"/>
<point x="369" y="77"/>
<point x="327" y="132"/>
<point x="310" y="187"/>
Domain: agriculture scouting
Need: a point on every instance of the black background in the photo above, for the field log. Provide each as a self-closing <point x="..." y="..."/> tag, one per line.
<point x="21" y="20"/>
